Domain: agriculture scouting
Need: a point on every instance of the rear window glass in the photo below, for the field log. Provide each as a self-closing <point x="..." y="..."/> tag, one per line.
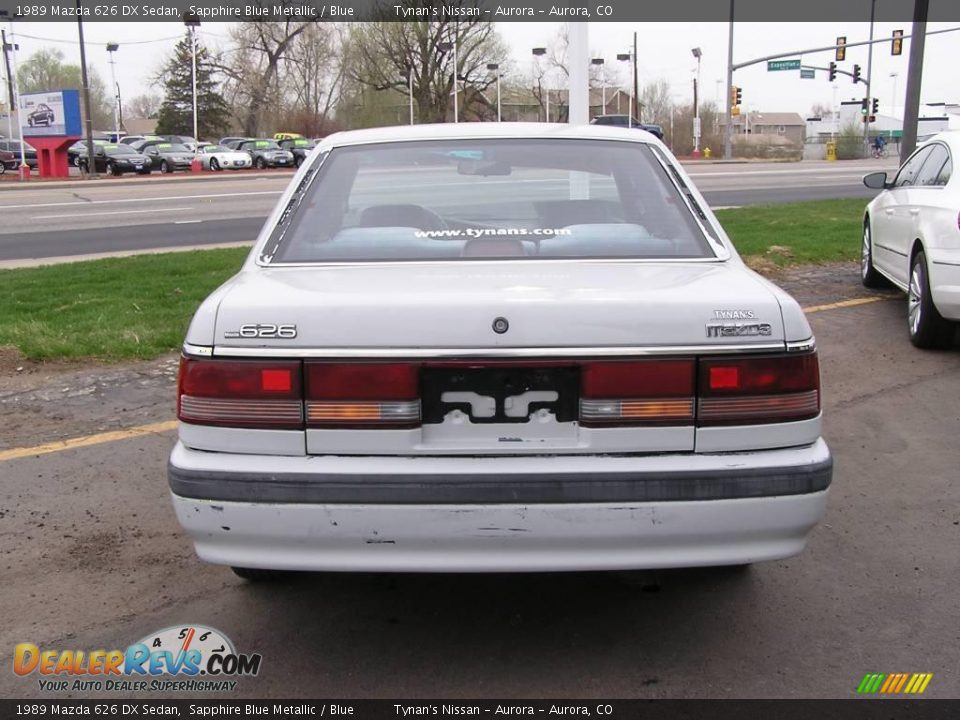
<point x="510" y="199"/>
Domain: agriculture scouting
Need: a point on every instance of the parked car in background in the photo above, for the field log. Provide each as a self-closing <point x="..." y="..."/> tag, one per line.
<point x="29" y="152"/>
<point x="114" y="159"/>
<point x="627" y="121"/>
<point x="231" y="141"/>
<point x="43" y="116"/>
<point x="266" y="153"/>
<point x="300" y="147"/>
<point x="8" y="161"/>
<point x="80" y="146"/>
<point x="911" y="238"/>
<point x="543" y="355"/>
<point x="166" y="156"/>
<point x="218" y="157"/>
<point x="134" y="139"/>
<point x="188" y="142"/>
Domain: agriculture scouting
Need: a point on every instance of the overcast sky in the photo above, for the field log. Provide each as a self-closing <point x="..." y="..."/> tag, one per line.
<point x="663" y="52"/>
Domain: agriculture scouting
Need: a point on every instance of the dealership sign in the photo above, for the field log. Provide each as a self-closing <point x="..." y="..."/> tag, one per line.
<point x="54" y="113"/>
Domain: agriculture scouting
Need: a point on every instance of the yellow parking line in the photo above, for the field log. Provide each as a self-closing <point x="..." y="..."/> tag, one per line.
<point x="88" y="440"/>
<point x="843" y="304"/>
<point x="167" y="425"/>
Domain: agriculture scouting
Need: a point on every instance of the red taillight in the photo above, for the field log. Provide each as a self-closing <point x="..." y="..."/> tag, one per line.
<point x="758" y="390"/>
<point x="240" y="393"/>
<point x="362" y="394"/>
<point x="637" y="392"/>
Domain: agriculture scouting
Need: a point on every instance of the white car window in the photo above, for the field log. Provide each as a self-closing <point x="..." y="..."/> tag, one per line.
<point x="930" y="172"/>
<point x="502" y="198"/>
<point x="908" y="173"/>
<point x="945" y="172"/>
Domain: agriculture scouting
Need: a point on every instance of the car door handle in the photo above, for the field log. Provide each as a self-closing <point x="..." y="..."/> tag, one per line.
<point x="888" y="211"/>
<point x="914" y="211"/>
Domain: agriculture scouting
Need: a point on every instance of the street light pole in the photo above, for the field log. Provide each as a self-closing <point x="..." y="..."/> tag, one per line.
<point x="626" y="57"/>
<point x="495" y="67"/>
<point x="193" y="22"/>
<point x="893" y="95"/>
<point x="9" y="82"/>
<point x="16" y="94"/>
<point x="111" y="49"/>
<point x="537" y="54"/>
<point x="698" y="54"/>
<point x="91" y="164"/>
<point x="728" y="104"/>
<point x="408" y="75"/>
<point x="603" y="84"/>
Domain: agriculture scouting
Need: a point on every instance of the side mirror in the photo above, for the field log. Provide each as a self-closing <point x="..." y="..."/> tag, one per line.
<point x="876" y="180"/>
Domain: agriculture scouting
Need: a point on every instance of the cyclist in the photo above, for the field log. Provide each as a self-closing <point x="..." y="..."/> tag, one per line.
<point x="878" y="145"/>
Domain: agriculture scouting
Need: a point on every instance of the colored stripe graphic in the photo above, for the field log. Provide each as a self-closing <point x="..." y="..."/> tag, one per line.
<point x="894" y="683"/>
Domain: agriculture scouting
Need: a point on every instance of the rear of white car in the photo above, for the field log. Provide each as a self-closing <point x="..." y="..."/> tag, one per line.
<point x="516" y="348"/>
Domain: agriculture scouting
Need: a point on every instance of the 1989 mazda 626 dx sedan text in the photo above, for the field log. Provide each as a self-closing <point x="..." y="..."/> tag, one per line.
<point x="496" y="347"/>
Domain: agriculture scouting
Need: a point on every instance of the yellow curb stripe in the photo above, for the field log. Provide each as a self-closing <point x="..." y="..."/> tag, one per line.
<point x="910" y="685"/>
<point x="86" y="441"/>
<point x="843" y="304"/>
<point x="926" y="681"/>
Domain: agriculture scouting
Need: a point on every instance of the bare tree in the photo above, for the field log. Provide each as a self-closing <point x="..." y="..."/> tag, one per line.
<point x="252" y="67"/>
<point x="382" y="53"/>
<point x="144" y="106"/>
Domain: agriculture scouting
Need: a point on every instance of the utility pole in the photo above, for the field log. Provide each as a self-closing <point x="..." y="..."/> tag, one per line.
<point x="728" y="130"/>
<point x="91" y="164"/>
<point x="636" y="86"/>
<point x="10" y="96"/>
<point x="866" y="120"/>
<point x="911" y="104"/>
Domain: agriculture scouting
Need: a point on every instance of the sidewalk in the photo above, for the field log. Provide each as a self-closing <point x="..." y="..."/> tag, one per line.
<point x="37" y="183"/>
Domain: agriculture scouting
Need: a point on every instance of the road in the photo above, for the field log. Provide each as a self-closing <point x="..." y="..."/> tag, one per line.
<point x="141" y="214"/>
<point x="93" y="558"/>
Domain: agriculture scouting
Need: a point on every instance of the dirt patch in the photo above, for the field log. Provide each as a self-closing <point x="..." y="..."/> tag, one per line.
<point x="11" y="360"/>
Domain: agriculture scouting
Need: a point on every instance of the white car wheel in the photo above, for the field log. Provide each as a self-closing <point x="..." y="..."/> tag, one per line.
<point x="868" y="274"/>
<point x="927" y="327"/>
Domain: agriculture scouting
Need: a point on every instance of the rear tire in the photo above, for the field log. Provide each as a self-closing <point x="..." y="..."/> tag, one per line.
<point x="261" y="164"/>
<point x="164" y="167"/>
<point x="868" y="274"/>
<point x="298" y="161"/>
<point x="257" y="574"/>
<point x="927" y="327"/>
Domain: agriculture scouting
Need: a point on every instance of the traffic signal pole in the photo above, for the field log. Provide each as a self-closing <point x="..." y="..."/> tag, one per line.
<point x="911" y="109"/>
<point x="728" y="130"/>
<point x="866" y="123"/>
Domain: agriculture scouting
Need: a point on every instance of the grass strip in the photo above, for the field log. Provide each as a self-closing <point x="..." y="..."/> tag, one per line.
<point x="139" y="307"/>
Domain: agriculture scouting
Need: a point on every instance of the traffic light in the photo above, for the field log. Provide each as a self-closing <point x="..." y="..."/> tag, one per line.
<point x="833" y="71"/>
<point x="864" y="106"/>
<point x="856" y="74"/>
<point x="896" y="47"/>
<point x="841" y="49"/>
<point x="736" y="94"/>
<point x="875" y="106"/>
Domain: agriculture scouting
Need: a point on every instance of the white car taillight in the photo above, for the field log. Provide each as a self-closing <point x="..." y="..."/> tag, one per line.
<point x="646" y="392"/>
<point x="351" y="395"/>
<point x="240" y="393"/>
<point x="757" y="390"/>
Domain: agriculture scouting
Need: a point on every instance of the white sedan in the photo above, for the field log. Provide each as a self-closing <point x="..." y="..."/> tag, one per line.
<point x="496" y="347"/>
<point x="218" y="157"/>
<point x="911" y="238"/>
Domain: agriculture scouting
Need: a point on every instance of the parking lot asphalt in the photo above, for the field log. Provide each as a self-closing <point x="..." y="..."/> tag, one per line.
<point x="92" y="556"/>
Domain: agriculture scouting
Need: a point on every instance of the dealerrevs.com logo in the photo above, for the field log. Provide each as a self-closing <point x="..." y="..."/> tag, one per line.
<point x="182" y="658"/>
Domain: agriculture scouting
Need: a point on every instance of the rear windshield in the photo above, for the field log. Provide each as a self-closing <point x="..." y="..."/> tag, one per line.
<point x="489" y="199"/>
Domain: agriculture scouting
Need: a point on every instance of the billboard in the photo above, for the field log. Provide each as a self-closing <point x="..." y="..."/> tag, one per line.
<point x="51" y="113"/>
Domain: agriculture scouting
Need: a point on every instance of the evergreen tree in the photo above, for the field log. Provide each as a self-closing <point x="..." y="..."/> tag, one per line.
<point x="176" y="112"/>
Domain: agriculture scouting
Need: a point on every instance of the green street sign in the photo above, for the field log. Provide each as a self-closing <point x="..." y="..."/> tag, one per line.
<point x="808" y="74"/>
<point x="783" y="65"/>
